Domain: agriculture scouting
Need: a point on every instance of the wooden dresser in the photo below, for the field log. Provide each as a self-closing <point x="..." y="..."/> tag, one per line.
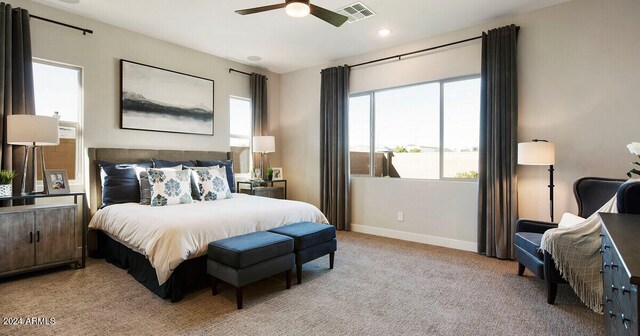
<point x="621" y="272"/>
<point x="33" y="237"/>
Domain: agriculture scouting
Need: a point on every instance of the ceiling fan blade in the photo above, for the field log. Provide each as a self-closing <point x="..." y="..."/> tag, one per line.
<point x="327" y="15"/>
<point x="260" y="9"/>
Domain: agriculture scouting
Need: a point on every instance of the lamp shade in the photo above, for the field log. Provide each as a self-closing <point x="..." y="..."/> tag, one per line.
<point x="264" y="144"/>
<point x="539" y="153"/>
<point x="32" y="129"/>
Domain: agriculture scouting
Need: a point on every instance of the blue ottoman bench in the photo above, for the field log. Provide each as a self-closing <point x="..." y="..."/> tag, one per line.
<point x="311" y="240"/>
<point x="248" y="258"/>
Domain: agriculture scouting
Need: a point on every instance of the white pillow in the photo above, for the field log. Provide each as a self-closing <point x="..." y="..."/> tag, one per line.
<point x="568" y="220"/>
<point x="169" y="186"/>
<point x="145" y="186"/>
<point x="212" y="183"/>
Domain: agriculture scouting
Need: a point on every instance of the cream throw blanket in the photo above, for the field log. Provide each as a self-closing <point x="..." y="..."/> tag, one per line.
<point x="576" y="252"/>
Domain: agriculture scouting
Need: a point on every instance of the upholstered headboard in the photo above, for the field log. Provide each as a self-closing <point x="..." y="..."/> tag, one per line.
<point x="123" y="155"/>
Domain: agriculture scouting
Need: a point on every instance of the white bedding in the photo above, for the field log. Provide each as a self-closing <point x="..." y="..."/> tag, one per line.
<point x="169" y="235"/>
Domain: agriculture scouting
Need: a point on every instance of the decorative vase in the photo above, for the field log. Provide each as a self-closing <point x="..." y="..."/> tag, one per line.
<point x="6" y="190"/>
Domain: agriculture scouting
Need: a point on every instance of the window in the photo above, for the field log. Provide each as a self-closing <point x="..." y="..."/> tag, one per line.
<point x="423" y="131"/>
<point x="58" y="92"/>
<point x="240" y="134"/>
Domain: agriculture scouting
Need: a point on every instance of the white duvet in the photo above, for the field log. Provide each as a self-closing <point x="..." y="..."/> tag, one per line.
<point x="171" y="234"/>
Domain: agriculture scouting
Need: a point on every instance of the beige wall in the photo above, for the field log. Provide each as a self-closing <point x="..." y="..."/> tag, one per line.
<point x="99" y="55"/>
<point x="578" y="68"/>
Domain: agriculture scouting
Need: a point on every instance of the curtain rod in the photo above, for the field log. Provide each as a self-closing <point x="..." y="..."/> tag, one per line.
<point x="240" y="72"/>
<point x="399" y="57"/>
<point x="83" y="30"/>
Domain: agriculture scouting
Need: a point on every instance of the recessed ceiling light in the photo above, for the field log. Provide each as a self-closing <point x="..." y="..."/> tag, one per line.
<point x="254" y="58"/>
<point x="384" y="32"/>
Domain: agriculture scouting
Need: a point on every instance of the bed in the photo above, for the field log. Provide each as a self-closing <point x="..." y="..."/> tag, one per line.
<point x="164" y="248"/>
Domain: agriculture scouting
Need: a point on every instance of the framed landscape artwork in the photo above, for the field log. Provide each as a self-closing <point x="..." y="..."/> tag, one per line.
<point x="155" y="99"/>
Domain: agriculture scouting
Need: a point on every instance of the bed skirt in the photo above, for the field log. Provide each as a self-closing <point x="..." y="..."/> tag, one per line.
<point x="189" y="276"/>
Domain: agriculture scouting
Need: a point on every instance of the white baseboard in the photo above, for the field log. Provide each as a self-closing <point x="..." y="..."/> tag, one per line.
<point x="416" y="237"/>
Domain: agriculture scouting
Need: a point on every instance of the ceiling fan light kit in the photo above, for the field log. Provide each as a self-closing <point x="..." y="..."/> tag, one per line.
<point x="300" y="8"/>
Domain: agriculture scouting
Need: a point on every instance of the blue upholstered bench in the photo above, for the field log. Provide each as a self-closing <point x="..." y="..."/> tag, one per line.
<point x="312" y="241"/>
<point x="248" y="258"/>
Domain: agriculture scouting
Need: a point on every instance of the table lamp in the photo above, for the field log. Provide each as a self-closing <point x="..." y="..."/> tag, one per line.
<point x="539" y="153"/>
<point x="263" y="145"/>
<point x="32" y="131"/>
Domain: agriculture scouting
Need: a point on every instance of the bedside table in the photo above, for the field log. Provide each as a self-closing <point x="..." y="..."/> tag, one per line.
<point x="263" y="188"/>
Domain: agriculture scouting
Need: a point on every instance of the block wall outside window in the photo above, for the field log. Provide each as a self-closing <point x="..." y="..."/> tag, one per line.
<point x="58" y="92"/>
<point x="421" y="131"/>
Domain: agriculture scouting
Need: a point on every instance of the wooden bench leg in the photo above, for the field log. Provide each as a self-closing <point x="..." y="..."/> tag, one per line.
<point x="287" y="275"/>
<point x="239" y="297"/>
<point x="299" y="272"/>
<point x="214" y="285"/>
<point x="520" y="269"/>
<point x="331" y="255"/>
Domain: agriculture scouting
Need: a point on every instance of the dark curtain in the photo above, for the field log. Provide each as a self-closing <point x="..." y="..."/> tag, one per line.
<point x="497" y="199"/>
<point x="334" y="146"/>
<point x="258" y="85"/>
<point x="16" y="85"/>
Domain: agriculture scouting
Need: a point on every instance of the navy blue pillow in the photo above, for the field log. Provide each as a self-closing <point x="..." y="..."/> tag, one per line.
<point x="227" y="164"/>
<point x="168" y="164"/>
<point x="119" y="182"/>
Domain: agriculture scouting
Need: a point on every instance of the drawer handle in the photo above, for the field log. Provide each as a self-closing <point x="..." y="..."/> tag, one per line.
<point x="612" y="315"/>
<point x="613" y="265"/>
<point x="601" y="251"/>
<point x="38" y="236"/>
<point x="601" y="235"/>
<point x="606" y="246"/>
<point x="605" y="265"/>
<point x="614" y="288"/>
<point x="624" y="321"/>
<point x="624" y="290"/>
<point x="30" y="237"/>
<point x="607" y="299"/>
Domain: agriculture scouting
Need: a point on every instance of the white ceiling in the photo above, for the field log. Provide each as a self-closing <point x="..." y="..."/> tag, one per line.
<point x="284" y="43"/>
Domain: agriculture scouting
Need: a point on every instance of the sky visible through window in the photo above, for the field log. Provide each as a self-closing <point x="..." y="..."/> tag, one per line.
<point x="57" y="89"/>
<point x="240" y="121"/>
<point x="410" y="117"/>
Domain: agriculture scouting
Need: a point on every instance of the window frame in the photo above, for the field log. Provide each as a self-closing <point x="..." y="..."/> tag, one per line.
<point x="372" y="125"/>
<point x="250" y="128"/>
<point x="79" y="125"/>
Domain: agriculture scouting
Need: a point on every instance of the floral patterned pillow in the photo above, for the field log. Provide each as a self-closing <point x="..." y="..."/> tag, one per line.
<point x="169" y="187"/>
<point x="212" y="183"/>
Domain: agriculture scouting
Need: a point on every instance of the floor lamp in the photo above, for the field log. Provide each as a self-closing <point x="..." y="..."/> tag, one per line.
<point x="32" y="131"/>
<point x="539" y="153"/>
<point x="263" y="145"/>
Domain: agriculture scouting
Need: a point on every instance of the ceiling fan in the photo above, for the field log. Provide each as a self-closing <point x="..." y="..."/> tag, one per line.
<point x="300" y="8"/>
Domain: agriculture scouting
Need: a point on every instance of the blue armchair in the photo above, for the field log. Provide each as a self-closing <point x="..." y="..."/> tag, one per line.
<point x="591" y="193"/>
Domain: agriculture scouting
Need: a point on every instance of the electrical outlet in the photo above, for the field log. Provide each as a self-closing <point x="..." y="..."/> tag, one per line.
<point x="400" y="216"/>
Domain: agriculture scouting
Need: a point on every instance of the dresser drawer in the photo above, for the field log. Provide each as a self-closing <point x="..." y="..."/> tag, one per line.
<point x="620" y="297"/>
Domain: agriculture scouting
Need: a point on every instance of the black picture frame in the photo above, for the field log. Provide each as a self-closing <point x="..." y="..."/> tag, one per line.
<point x="187" y="119"/>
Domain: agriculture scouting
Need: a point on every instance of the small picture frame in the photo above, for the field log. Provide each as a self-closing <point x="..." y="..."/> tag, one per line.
<point x="56" y="181"/>
<point x="277" y="174"/>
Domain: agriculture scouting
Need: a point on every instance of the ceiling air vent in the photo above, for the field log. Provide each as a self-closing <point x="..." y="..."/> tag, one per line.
<point x="356" y="12"/>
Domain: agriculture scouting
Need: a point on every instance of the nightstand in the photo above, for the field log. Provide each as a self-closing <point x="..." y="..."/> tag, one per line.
<point x="263" y="188"/>
<point x="34" y="237"/>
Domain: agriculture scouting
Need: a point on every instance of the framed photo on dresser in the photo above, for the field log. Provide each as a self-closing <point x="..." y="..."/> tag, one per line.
<point x="56" y="182"/>
<point x="156" y="99"/>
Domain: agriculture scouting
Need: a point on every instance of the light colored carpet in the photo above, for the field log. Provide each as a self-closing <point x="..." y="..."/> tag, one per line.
<point x="379" y="287"/>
